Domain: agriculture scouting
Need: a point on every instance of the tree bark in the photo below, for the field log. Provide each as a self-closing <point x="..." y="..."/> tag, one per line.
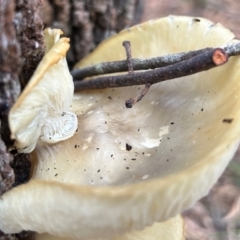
<point x="89" y="22"/>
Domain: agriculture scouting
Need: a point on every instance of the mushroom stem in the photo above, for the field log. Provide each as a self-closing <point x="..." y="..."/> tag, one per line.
<point x="202" y="62"/>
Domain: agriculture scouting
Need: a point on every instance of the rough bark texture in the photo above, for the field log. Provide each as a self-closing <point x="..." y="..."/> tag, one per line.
<point x="20" y="22"/>
<point x="29" y="29"/>
<point x="89" y="22"/>
<point x="9" y="87"/>
<point x="24" y="235"/>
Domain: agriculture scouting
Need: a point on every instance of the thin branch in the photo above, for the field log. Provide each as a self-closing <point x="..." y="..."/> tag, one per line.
<point x="138" y="64"/>
<point x="207" y="59"/>
<point x="130" y="102"/>
<point x="127" y="46"/>
<point x="231" y="49"/>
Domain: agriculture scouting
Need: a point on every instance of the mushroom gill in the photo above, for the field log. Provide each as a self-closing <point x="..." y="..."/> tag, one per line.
<point x="41" y="112"/>
<point x="125" y="169"/>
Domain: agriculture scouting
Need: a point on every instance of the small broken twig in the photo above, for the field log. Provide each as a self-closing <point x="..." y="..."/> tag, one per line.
<point x="127" y="46"/>
<point x="206" y="60"/>
<point x="130" y="102"/>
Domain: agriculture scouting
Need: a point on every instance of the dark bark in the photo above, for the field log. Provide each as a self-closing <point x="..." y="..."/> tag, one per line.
<point x="89" y="22"/>
<point x="29" y="28"/>
<point x="9" y="87"/>
<point x="20" y="22"/>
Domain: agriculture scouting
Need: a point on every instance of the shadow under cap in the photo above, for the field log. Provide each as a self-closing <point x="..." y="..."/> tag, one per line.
<point x="180" y="134"/>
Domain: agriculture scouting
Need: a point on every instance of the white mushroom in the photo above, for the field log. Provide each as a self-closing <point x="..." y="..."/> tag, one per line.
<point x="42" y="110"/>
<point x="92" y="186"/>
<point x="172" y="229"/>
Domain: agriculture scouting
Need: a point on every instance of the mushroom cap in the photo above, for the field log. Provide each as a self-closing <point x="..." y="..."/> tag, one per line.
<point x="70" y="198"/>
<point x="182" y="134"/>
<point x="41" y="111"/>
<point x="172" y="229"/>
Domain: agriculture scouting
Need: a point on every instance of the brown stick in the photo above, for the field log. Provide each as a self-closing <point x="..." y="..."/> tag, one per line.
<point x="138" y="64"/>
<point x="206" y="60"/>
<point x="127" y="46"/>
<point x="130" y="102"/>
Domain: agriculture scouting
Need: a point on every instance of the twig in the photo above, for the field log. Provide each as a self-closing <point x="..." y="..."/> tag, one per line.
<point x="207" y="59"/>
<point x="127" y="46"/>
<point x="232" y="49"/>
<point x="130" y="102"/>
<point x="138" y="64"/>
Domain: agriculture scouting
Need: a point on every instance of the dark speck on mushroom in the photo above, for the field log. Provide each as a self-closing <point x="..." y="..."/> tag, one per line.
<point x="75" y="146"/>
<point x="56" y="174"/>
<point x="127" y="167"/>
<point x="128" y="147"/>
<point x="109" y="97"/>
<point x="196" y="20"/>
<point x="227" y="120"/>
<point x="202" y="109"/>
<point x="63" y="114"/>
<point x="172" y="123"/>
<point x="133" y="159"/>
<point x="98" y="170"/>
<point x="111" y="155"/>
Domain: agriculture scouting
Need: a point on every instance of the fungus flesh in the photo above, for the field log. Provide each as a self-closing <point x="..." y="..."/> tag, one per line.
<point x="179" y="142"/>
<point x="42" y="110"/>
